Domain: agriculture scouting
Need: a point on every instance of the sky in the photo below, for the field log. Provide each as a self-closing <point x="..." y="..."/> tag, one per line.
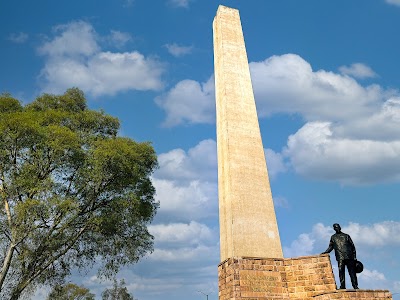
<point x="327" y="87"/>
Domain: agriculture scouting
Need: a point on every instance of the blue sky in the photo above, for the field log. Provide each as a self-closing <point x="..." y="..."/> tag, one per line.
<point x="327" y="86"/>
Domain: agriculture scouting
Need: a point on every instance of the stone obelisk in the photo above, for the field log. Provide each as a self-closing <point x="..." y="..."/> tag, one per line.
<point x="248" y="224"/>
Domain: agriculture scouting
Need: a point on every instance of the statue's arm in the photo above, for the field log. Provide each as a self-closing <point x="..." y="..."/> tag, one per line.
<point x="353" y="248"/>
<point x="330" y="247"/>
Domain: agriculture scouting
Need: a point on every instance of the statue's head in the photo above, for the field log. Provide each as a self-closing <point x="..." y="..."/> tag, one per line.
<point x="337" y="227"/>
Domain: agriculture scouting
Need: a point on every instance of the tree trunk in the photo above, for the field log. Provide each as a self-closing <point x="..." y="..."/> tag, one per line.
<point x="6" y="265"/>
<point x="10" y="251"/>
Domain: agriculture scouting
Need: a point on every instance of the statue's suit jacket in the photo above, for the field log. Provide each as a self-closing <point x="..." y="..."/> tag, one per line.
<point x="343" y="245"/>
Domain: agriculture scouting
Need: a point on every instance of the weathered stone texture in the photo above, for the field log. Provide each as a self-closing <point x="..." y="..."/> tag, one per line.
<point x="302" y="278"/>
<point x="248" y="224"/>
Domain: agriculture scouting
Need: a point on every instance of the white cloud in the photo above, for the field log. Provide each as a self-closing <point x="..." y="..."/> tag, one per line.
<point x="306" y="242"/>
<point x="358" y="70"/>
<point x="373" y="279"/>
<point x="275" y="162"/>
<point x="189" y="102"/>
<point x="186" y="183"/>
<point x="382" y="125"/>
<point x="119" y="39"/>
<point x="74" y="58"/>
<point x="372" y="276"/>
<point x="314" y="152"/>
<point x="189" y="201"/>
<point x="183" y="241"/>
<point x="183" y="254"/>
<point x="18" y="37"/>
<point x="395" y="2"/>
<point x="73" y="39"/>
<point x="192" y="233"/>
<point x="376" y="235"/>
<point x="303" y="245"/>
<point x="177" y="50"/>
<point x="180" y="3"/>
<point x="198" y="163"/>
<point x="287" y="84"/>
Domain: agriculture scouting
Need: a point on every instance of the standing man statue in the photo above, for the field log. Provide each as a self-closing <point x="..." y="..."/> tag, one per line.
<point x="345" y="253"/>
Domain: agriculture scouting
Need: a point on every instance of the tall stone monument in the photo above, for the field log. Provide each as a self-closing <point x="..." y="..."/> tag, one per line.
<point x="248" y="224"/>
<point x="252" y="265"/>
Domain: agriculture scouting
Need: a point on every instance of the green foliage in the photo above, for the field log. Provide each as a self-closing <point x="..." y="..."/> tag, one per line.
<point x="9" y="104"/>
<point x="117" y="292"/>
<point x="70" y="291"/>
<point x="73" y="192"/>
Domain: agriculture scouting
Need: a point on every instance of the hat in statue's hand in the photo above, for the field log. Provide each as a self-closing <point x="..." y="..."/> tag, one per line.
<point x="359" y="266"/>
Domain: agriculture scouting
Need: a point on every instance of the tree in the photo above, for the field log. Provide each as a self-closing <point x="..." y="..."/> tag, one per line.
<point x="70" y="291"/>
<point x="73" y="192"/>
<point x="117" y="292"/>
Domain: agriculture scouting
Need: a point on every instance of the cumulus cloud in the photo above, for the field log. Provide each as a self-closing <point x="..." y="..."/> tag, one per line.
<point x="305" y="243"/>
<point x="119" y="38"/>
<point x="177" y="50"/>
<point x="358" y="70"/>
<point x="183" y="254"/>
<point x="18" y="37"/>
<point x="193" y="200"/>
<point x="183" y="241"/>
<point x="187" y="191"/>
<point x="382" y="125"/>
<point x="73" y="39"/>
<point x="198" y="163"/>
<point x="275" y="162"/>
<point x="314" y="152"/>
<point x="372" y="276"/>
<point x="189" y="102"/>
<point x="192" y="233"/>
<point x="288" y="84"/>
<point x="375" y="235"/>
<point x="186" y="182"/>
<point x="394" y="2"/>
<point x="75" y="58"/>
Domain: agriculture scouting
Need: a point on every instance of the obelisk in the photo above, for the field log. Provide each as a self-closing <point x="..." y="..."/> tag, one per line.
<point x="248" y="226"/>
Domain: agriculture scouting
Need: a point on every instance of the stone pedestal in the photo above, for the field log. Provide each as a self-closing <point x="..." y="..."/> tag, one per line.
<point x="306" y="278"/>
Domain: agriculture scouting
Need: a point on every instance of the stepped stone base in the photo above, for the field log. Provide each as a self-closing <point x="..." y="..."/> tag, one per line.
<point x="355" y="295"/>
<point x="305" y="278"/>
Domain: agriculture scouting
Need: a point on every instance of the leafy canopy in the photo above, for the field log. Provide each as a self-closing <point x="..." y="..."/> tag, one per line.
<point x="70" y="291"/>
<point x="117" y="292"/>
<point x="72" y="192"/>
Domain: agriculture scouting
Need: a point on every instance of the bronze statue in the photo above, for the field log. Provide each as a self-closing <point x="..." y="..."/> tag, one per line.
<point x="345" y="253"/>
